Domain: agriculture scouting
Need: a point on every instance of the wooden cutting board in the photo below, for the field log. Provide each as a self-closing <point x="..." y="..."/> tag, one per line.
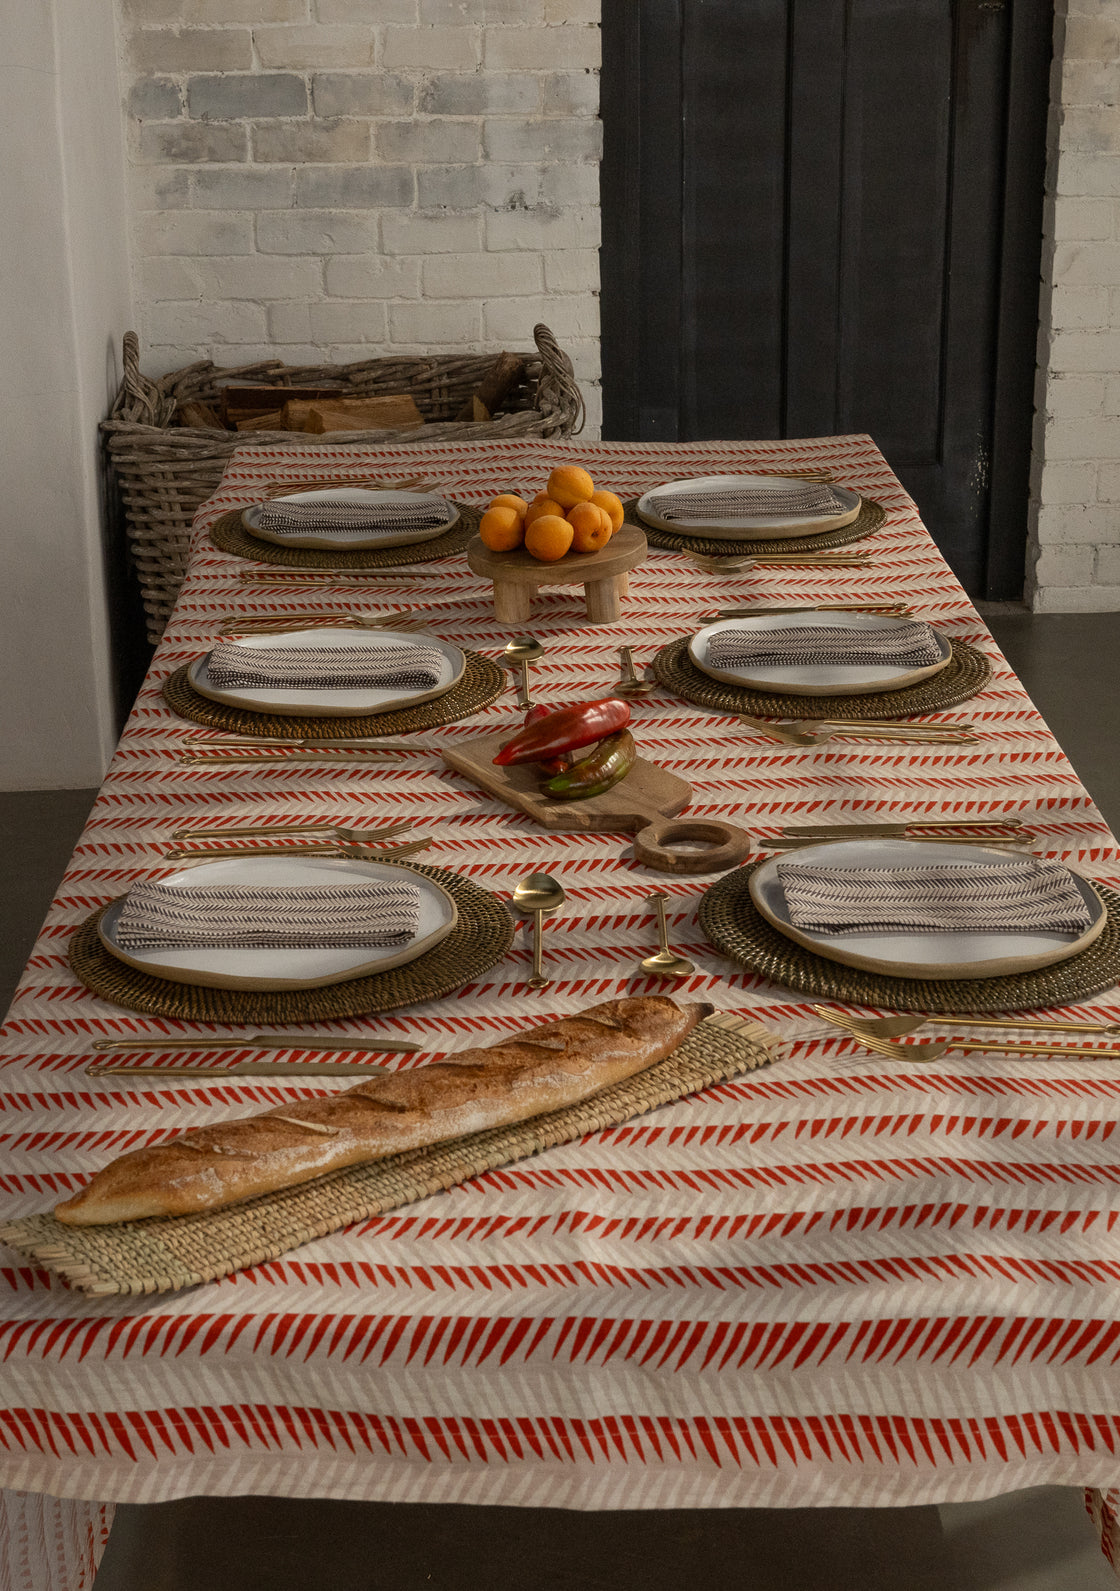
<point x="638" y="805"/>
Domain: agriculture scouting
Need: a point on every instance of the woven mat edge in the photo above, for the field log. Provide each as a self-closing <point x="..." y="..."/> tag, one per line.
<point x="434" y="1169"/>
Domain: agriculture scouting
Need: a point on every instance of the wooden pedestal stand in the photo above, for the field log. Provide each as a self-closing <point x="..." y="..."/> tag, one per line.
<point x="603" y="575"/>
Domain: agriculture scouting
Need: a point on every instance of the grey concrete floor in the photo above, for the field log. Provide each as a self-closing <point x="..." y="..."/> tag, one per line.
<point x="1037" y="1540"/>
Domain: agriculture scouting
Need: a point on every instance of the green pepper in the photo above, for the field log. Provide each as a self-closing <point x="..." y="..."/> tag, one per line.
<point x="607" y="765"/>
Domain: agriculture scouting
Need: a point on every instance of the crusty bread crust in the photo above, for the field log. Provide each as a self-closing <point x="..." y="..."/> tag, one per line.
<point x="553" y="1064"/>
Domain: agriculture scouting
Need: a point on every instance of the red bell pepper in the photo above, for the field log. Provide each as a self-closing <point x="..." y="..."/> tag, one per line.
<point x="565" y="730"/>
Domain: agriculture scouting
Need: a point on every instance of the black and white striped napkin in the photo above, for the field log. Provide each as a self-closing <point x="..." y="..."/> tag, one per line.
<point x="276" y="917"/>
<point x="1027" y="895"/>
<point x="700" y="506"/>
<point x="388" y="667"/>
<point x="281" y="517"/>
<point x="910" y="643"/>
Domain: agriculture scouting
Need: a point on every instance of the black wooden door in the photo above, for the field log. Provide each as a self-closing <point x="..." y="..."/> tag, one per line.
<point x="824" y="216"/>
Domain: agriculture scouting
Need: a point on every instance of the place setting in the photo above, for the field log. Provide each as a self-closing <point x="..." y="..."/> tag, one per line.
<point x="721" y="520"/>
<point x="946" y="922"/>
<point x="332" y="681"/>
<point x="295" y="934"/>
<point x="347" y="526"/>
<point x="822" y="665"/>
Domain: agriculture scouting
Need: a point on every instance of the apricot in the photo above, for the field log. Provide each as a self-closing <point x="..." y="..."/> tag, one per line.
<point x="549" y="537"/>
<point x="591" y="527"/>
<point x="611" y="506"/>
<point x="569" y="485"/>
<point x="501" y="529"/>
<point x="539" y="506"/>
<point x="511" y="500"/>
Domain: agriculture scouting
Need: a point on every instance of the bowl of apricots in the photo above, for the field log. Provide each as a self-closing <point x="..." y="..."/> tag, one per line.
<point x="570" y="515"/>
<point x="571" y="533"/>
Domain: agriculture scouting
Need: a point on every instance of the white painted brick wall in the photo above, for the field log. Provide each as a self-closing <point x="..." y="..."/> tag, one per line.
<point x="319" y="180"/>
<point x="1073" y="560"/>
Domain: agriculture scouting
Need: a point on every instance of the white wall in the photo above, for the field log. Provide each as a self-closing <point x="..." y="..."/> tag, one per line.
<point x="64" y="305"/>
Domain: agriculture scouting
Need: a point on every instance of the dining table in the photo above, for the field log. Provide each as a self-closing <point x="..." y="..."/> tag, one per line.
<point x="842" y="1279"/>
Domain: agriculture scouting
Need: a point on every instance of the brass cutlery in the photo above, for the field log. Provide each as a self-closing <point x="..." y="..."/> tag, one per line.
<point x="629" y="682"/>
<point x="891" y="609"/>
<point x="522" y="651"/>
<point x="888" y="1027"/>
<point x="899" y="1050"/>
<point x="290" y="623"/>
<point x="357" y="853"/>
<point x="216" y="1074"/>
<point x="911" y="829"/>
<point x="304" y="743"/>
<point x="664" y="964"/>
<point x="373" y="1045"/>
<point x="315" y="577"/>
<point x="267" y="830"/>
<point x="819" y="731"/>
<point x="533" y="897"/>
<point x="346" y="752"/>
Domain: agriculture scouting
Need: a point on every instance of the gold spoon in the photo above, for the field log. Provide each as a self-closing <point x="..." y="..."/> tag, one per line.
<point x="525" y="649"/>
<point x="630" y="684"/>
<point x="535" y="895"/>
<point x="665" y="964"/>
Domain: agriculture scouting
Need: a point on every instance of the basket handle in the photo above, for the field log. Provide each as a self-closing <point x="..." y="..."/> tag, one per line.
<point x="557" y="388"/>
<point x="139" y="399"/>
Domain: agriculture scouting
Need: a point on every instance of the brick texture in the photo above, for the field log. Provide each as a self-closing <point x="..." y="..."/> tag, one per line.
<point x="1073" y="563"/>
<point x="323" y="179"/>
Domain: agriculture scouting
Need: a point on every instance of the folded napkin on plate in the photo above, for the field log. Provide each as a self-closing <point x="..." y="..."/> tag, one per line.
<point x="748" y="502"/>
<point x="908" y="644"/>
<point x="276" y="917"/>
<point x="280" y="517"/>
<point x="1024" y="896"/>
<point x="324" y="667"/>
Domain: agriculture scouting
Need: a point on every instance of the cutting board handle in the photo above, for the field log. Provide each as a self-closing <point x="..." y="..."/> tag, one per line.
<point x="723" y="845"/>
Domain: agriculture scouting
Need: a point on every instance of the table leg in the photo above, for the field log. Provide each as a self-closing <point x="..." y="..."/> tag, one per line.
<point x="512" y="603"/>
<point x="601" y="601"/>
<point x="622" y="583"/>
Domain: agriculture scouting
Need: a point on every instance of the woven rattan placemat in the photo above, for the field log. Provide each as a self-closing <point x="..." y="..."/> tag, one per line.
<point x="965" y="675"/>
<point x="482" y="683"/>
<point x="734" y="925"/>
<point x="479" y="940"/>
<point x="228" y="534"/>
<point x="867" y="521"/>
<point x="158" y="1255"/>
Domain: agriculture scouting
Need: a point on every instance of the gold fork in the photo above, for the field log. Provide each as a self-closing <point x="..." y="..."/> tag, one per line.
<point x="286" y="623"/>
<point x="889" y="1027"/>
<point x="933" y="1052"/>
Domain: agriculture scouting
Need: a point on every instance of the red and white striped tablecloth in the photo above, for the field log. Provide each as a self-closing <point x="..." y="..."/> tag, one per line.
<point x="837" y="1281"/>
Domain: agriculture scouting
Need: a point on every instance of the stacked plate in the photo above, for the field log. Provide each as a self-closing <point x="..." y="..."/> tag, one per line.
<point x="351" y="518"/>
<point x="775" y="511"/>
<point x="817" y="679"/>
<point x="276" y="969"/>
<point x="941" y="954"/>
<point x="342" y="702"/>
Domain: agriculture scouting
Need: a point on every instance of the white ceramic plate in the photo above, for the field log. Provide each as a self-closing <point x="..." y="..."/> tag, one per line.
<point x="848" y="679"/>
<point x="755" y="528"/>
<point x="352" y="703"/>
<point x="913" y="955"/>
<point x="287" y="969"/>
<point x="342" y="540"/>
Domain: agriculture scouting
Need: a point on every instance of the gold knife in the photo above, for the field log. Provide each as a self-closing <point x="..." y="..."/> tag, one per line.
<point x="214" y="1074"/>
<point x="264" y="1041"/>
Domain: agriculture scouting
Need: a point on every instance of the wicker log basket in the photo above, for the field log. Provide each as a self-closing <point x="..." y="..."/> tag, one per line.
<point x="164" y="471"/>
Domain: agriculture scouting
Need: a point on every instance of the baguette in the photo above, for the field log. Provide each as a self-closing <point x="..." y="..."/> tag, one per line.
<point x="553" y="1064"/>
